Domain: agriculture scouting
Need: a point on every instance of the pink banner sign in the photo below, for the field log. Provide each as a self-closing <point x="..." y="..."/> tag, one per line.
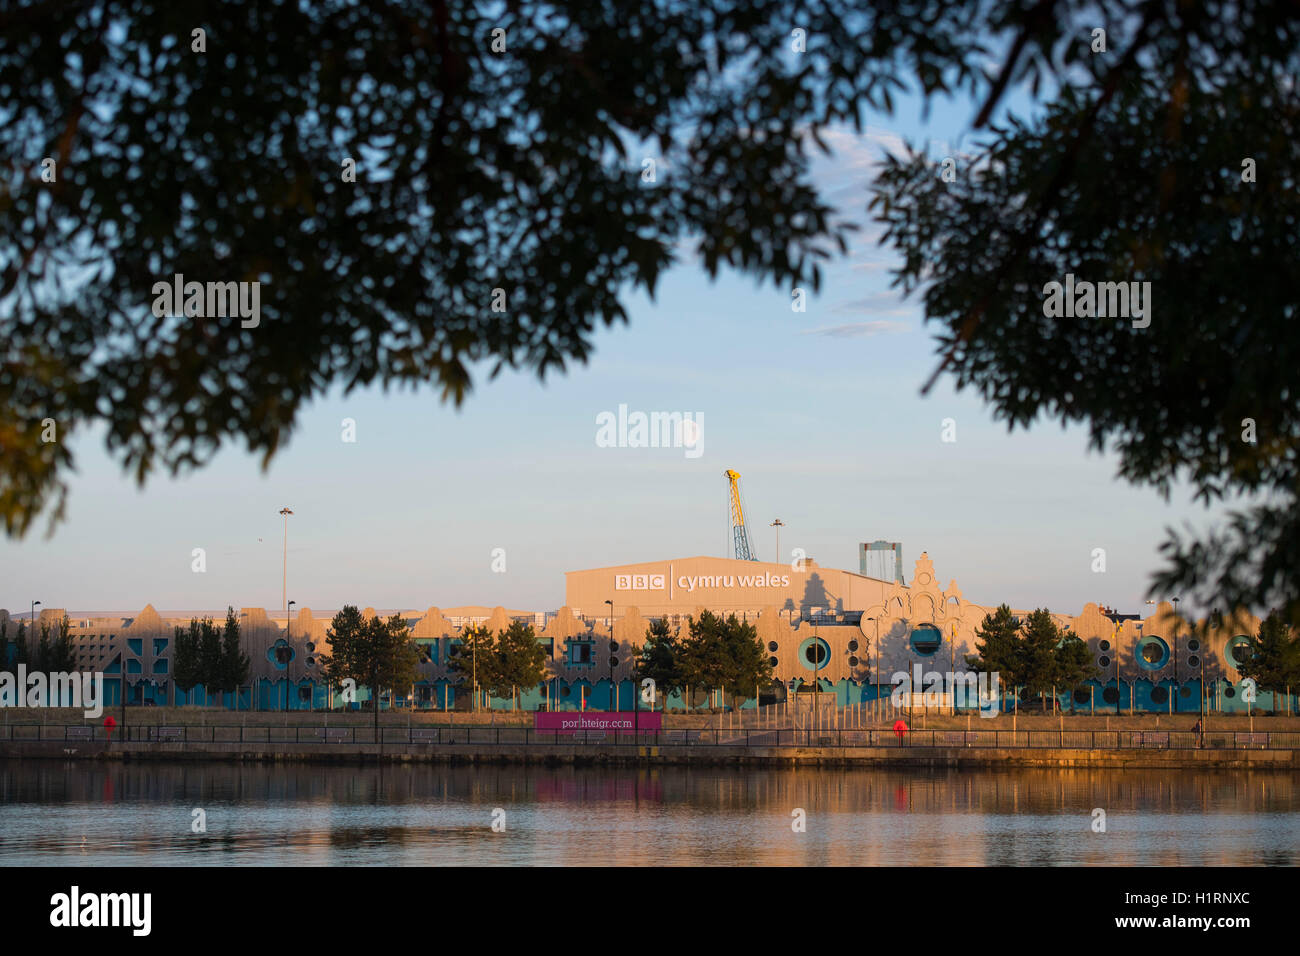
<point x="573" y="722"/>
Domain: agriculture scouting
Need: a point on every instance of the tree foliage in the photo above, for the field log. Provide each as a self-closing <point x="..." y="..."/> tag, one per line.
<point x="1275" y="662"/>
<point x="209" y="656"/>
<point x="721" y="654"/>
<point x="477" y="170"/>
<point x="1136" y="171"/>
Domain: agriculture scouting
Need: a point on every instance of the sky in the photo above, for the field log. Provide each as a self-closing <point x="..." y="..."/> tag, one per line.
<point x="820" y="412"/>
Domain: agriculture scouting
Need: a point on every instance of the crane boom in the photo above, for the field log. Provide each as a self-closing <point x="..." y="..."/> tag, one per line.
<point x="738" y="530"/>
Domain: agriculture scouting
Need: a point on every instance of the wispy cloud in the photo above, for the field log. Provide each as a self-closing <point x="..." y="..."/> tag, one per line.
<point x="859" y="329"/>
<point x="881" y="304"/>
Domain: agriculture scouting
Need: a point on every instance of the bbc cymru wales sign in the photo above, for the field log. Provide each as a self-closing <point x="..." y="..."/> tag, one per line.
<point x="638" y="582"/>
<point x="562" y="722"/>
<point x="657" y="582"/>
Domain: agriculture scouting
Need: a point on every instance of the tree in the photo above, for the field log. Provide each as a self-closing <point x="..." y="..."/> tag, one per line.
<point x="521" y="660"/>
<point x="997" y="643"/>
<point x="473" y="657"/>
<point x="234" y="668"/>
<point x="660" y="661"/>
<point x="1275" y="663"/>
<point x="722" y="654"/>
<point x="1160" y="162"/>
<point x="380" y="654"/>
<point x="1074" y="663"/>
<point x="489" y="215"/>
<point x="63" y="654"/>
<point x="185" y="661"/>
<point x="42" y="661"/>
<point x="209" y="656"/>
<point x="1040" y="638"/>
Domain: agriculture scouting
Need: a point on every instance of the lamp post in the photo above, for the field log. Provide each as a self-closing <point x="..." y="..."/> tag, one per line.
<point x="612" y="644"/>
<point x="288" y="657"/>
<point x="778" y="524"/>
<point x="33" y="624"/>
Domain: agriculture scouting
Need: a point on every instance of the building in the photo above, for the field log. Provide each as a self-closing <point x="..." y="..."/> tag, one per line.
<point x="844" y="631"/>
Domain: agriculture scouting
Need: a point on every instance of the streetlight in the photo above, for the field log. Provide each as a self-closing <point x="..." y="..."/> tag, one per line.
<point x="288" y="656"/>
<point x="778" y="524"/>
<point x="613" y="645"/>
<point x="284" y="576"/>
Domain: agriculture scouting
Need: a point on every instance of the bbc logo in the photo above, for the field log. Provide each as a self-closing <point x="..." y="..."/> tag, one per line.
<point x="638" y="582"/>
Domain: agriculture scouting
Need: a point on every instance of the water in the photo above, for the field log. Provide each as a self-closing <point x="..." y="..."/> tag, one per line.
<point x="83" y="814"/>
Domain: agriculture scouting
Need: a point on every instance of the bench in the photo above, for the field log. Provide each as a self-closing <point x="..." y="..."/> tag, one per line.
<point x="1150" y="739"/>
<point x="327" y="734"/>
<point x="79" y="733"/>
<point x="428" y="734"/>
<point x="167" y="733"/>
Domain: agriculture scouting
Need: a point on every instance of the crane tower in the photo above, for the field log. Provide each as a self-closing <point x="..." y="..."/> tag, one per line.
<point x="738" y="531"/>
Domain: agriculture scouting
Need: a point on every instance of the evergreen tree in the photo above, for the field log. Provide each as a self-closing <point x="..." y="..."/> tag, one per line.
<point x="474" y="657"/>
<point x="185" y="657"/>
<point x="63" y="655"/>
<point x="209" y="657"/>
<point x="521" y="660"/>
<point x="1275" y="664"/>
<point x="1038" y="645"/>
<point x="1074" y="663"/>
<point x="997" y="642"/>
<point x="378" y="654"/>
<point x="234" y="668"/>
<point x="660" y="660"/>
<point x="43" y="649"/>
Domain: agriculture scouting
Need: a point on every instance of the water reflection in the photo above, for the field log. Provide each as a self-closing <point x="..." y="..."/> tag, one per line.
<point x="66" y="813"/>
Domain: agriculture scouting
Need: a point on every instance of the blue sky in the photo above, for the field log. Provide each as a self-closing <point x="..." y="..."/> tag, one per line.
<point x="820" y="412"/>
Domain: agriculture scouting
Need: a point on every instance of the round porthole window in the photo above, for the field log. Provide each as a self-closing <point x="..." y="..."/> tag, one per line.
<point x="1241" y="649"/>
<point x="1185" y="692"/>
<point x="773" y="661"/>
<point x="1103" y="661"/>
<point x="1152" y="653"/>
<point x="1104" y="645"/>
<point x="1082" y="696"/>
<point x="853" y="662"/>
<point x="1229" y="692"/>
<point x="1193" y="661"/>
<point x="814" y="653"/>
<point x="772" y="646"/>
<point x="1110" y="695"/>
<point x="926" y="639"/>
<point x="853" y="646"/>
<point x="1193" y="645"/>
<point x="1160" y="695"/>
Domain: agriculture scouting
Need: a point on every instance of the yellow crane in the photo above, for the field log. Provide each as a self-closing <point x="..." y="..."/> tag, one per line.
<point x="738" y="531"/>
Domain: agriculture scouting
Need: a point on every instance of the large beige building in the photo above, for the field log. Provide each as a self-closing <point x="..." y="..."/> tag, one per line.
<point x="847" y="631"/>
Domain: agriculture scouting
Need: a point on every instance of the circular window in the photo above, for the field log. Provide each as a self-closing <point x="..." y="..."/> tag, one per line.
<point x="1229" y="692"/>
<point x="772" y="646"/>
<point x="1152" y="653"/>
<point x="1193" y="661"/>
<point x="814" y="653"/>
<point x="311" y="646"/>
<point x="280" y="654"/>
<point x="564" y="692"/>
<point x="1160" y="695"/>
<point x="773" y="661"/>
<point x="1103" y="661"/>
<point x="1241" y="649"/>
<point x="1186" y="692"/>
<point x="1193" y="645"/>
<point x="1110" y="695"/>
<point x="926" y="640"/>
<point x="853" y="662"/>
<point x="1082" y="696"/>
<point x="1104" y="645"/>
<point x="853" y="645"/>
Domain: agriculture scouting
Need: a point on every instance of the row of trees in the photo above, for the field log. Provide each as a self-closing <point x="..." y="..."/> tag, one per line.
<point x="500" y="663"/>
<point x="53" y="651"/>
<point x="714" y="654"/>
<point x="208" y="655"/>
<point x="374" y="652"/>
<point x="1033" y="657"/>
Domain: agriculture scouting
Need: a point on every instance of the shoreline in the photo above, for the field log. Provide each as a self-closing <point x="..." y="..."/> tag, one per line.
<point x="640" y="755"/>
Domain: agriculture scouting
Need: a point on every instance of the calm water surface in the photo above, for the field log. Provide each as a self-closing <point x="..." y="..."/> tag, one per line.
<point x="82" y="814"/>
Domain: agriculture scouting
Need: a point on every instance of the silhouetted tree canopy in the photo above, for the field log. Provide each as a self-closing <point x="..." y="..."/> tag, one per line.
<point x="521" y="170"/>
